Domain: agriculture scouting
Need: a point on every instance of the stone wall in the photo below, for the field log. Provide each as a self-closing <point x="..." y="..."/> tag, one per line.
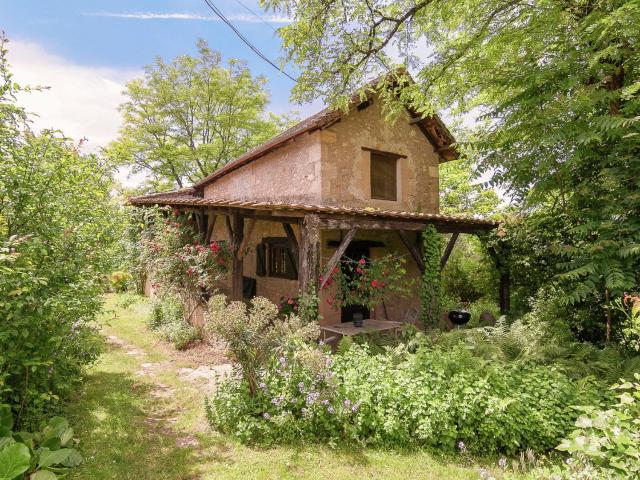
<point x="346" y="169"/>
<point x="290" y="173"/>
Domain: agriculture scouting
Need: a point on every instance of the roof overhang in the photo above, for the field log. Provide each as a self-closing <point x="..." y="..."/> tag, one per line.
<point x="332" y="216"/>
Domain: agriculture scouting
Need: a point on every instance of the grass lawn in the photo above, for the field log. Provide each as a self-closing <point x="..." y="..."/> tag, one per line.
<point x="137" y="417"/>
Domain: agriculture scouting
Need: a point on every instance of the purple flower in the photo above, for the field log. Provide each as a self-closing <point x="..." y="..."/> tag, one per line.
<point x="312" y="397"/>
<point x="462" y="447"/>
<point x="502" y="463"/>
<point x="278" y="400"/>
<point x="325" y="402"/>
<point x="347" y="403"/>
<point x="330" y="409"/>
<point x="262" y="385"/>
<point x="282" y="361"/>
<point x="266" y="416"/>
<point x="301" y="386"/>
<point x="304" y="410"/>
<point x="356" y="407"/>
<point x="329" y="362"/>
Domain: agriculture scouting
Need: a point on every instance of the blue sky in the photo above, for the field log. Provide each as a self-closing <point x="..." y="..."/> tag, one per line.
<point x="86" y="51"/>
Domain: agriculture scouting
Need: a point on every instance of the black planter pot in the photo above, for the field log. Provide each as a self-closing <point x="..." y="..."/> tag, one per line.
<point x="358" y="319"/>
<point x="459" y="317"/>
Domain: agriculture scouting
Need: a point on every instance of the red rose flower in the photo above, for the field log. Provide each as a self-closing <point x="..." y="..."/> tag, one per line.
<point x="374" y="283"/>
<point x="290" y="301"/>
<point x="358" y="270"/>
<point x="362" y="261"/>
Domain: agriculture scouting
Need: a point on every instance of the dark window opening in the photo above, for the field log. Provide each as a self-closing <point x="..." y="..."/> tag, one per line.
<point x="276" y="259"/>
<point x="384" y="181"/>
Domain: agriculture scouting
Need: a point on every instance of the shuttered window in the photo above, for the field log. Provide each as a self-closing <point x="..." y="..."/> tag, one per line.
<point x="275" y="259"/>
<point x="384" y="181"/>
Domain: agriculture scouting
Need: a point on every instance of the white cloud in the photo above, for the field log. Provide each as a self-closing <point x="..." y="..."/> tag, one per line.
<point x="82" y="100"/>
<point x="192" y="16"/>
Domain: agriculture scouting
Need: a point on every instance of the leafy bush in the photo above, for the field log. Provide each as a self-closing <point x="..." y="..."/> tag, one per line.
<point x="610" y="439"/>
<point x="58" y="225"/>
<point x="435" y="397"/>
<point x="42" y="455"/>
<point x="167" y="318"/>
<point x="254" y="335"/>
<point x="120" y="281"/>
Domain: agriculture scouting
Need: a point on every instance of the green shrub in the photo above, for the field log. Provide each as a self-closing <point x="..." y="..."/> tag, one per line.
<point x="255" y="334"/>
<point x="180" y="333"/>
<point x="167" y="318"/>
<point x="47" y="454"/>
<point x="434" y="398"/>
<point x="120" y="281"/>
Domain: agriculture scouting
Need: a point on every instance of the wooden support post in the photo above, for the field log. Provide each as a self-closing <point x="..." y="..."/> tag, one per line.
<point x="505" y="293"/>
<point x="237" y="262"/>
<point x="337" y="255"/>
<point x="246" y="238"/>
<point x="309" y="255"/>
<point x="448" y="250"/>
<point x="293" y="241"/>
<point x="210" y="226"/>
<point x="229" y="228"/>
<point x="415" y="253"/>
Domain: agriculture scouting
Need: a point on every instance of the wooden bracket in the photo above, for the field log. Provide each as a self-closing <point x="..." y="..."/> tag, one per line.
<point x="404" y="236"/>
<point x="337" y="255"/>
<point x="448" y="250"/>
<point x="245" y="240"/>
<point x="210" y="226"/>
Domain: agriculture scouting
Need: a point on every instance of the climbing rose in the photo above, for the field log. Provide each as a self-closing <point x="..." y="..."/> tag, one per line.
<point x="362" y="261"/>
<point x="374" y="283"/>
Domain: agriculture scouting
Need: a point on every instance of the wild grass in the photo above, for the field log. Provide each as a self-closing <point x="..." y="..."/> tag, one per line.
<point x="128" y="430"/>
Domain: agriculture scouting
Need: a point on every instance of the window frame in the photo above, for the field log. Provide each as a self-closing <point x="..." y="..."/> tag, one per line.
<point x="279" y="244"/>
<point x="384" y="156"/>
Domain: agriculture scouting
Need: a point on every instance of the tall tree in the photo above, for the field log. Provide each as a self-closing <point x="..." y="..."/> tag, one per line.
<point x="553" y="84"/>
<point x="186" y="118"/>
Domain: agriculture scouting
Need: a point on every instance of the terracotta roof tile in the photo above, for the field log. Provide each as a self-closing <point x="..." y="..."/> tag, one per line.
<point x="184" y="198"/>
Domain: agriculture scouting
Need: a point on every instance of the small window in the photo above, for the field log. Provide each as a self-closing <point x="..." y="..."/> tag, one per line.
<point x="280" y="262"/>
<point x="384" y="181"/>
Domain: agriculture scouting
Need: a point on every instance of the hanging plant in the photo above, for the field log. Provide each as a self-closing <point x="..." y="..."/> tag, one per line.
<point x="367" y="281"/>
<point x="430" y="288"/>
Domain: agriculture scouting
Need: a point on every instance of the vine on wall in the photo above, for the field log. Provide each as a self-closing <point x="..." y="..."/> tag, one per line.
<point x="430" y="288"/>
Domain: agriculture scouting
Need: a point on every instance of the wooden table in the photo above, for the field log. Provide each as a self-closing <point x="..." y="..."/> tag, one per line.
<point x="368" y="326"/>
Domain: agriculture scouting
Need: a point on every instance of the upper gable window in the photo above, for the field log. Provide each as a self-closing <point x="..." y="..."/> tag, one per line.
<point x="384" y="176"/>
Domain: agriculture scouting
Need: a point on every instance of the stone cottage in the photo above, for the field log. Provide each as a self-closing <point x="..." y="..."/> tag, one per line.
<point x="338" y="184"/>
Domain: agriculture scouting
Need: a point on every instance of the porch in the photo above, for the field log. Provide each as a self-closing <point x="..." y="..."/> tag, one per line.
<point x="310" y="241"/>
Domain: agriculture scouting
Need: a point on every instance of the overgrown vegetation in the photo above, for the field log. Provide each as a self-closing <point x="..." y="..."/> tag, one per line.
<point x="430" y="288"/>
<point x="57" y="228"/>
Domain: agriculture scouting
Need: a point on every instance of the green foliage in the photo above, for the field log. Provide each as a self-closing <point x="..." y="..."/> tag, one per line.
<point x="434" y="397"/>
<point x="610" y="439"/>
<point x="253" y="335"/>
<point x="470" y="273"/>
<point x="462" y="194"/>
<point x="187" y="118"/>
<point x="57" y="229"/>
<point x="430" y="289"/>
<point x="168" y="319"/>
<point x="176" y="259"/>
<point x="368" y="280"/>
<point x="605" y="444"/>
<point x="551" y="89"/>
<point x="629" y="305"/>
<point x="120" y="281"/>
<point x="43" y="455"/>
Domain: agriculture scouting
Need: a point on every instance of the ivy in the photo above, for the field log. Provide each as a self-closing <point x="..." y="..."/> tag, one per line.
<point x="430" y="288"/>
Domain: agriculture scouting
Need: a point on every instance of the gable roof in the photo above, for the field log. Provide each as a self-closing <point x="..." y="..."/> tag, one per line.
<point x="431" y="126"/>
